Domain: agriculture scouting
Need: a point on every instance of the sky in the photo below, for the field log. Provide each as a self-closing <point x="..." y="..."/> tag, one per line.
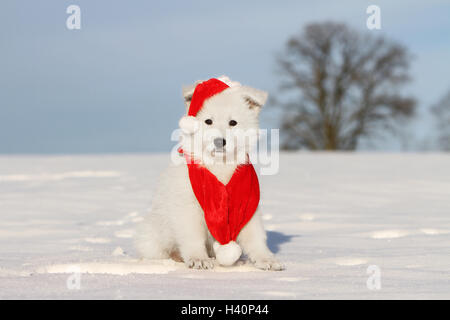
<point x="115" y="84"/>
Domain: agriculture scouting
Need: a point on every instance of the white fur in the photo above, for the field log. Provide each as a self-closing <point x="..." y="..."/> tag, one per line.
<point x="176" y="224"/>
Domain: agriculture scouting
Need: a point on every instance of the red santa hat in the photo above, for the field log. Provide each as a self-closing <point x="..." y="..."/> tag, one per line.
<point x="202" y="92"/>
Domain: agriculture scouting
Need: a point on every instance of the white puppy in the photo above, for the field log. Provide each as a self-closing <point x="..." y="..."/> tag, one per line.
<point x="176" y="225"/>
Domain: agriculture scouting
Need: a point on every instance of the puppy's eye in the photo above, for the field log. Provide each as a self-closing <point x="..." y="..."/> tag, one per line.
<point x="232" y="123"/>
<point x="208" y="122"/>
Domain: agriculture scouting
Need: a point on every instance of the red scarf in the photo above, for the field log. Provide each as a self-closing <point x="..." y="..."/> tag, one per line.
<point x="227" y="208"/>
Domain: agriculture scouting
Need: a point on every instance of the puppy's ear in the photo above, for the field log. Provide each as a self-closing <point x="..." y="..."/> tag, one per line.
<point x="254" y="98"/>
<point x="188" y="91"/>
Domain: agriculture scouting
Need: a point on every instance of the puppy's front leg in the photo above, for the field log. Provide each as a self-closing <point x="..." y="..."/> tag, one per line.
<point x="191" y="238"/>
<point x="252" y="239"/>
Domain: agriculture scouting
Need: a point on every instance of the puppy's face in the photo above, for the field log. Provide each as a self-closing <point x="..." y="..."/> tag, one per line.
<point x="228" y="125"/>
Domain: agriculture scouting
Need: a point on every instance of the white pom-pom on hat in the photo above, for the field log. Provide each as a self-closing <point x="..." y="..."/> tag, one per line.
<point x="227" y="254"/>
<point x="189" y="124"/>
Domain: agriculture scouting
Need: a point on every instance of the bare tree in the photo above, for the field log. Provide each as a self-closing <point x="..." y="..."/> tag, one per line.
<point x="342" y="86"/>
<point x="441" y="111"/>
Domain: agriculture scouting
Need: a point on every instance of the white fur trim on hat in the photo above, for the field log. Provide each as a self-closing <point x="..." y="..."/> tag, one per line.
<point x="189" y="124"/>
<point x="227" y="254"/>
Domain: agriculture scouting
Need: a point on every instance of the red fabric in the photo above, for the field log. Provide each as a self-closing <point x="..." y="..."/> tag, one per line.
<point x="204" y="91"/>
<point x="227" y="208"/>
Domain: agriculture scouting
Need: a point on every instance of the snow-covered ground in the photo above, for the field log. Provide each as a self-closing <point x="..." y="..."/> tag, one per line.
<point x="329" y="217"/>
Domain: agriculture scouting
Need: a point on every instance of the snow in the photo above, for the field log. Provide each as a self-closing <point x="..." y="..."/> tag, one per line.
<point x="329" y="217"/>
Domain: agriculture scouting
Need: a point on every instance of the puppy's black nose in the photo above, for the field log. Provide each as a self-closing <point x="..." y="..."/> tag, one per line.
<point x="220" y="142"/>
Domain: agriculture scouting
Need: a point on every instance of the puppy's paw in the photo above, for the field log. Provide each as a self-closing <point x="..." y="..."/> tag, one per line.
<point x="195" y="263"/>
<point x="269" y="264"/>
